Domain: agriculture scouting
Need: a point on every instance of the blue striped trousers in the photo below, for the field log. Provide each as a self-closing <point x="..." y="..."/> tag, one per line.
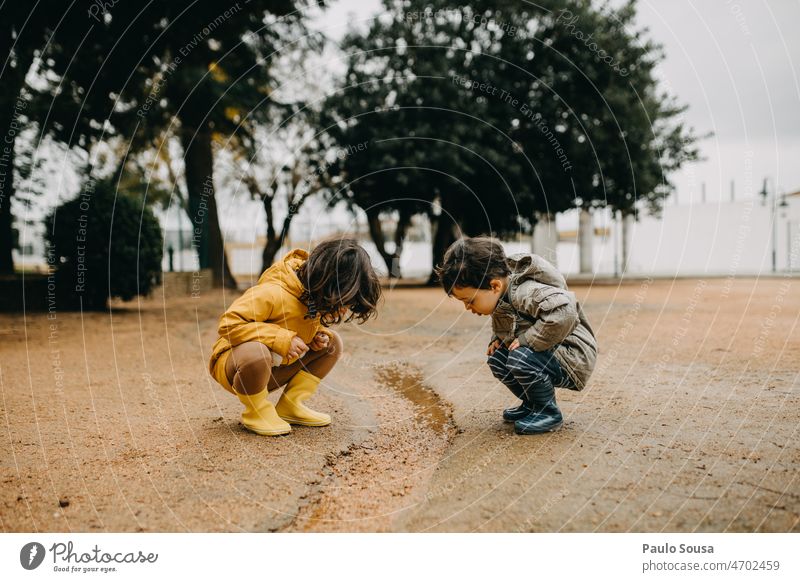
<point x="531" y="376"/>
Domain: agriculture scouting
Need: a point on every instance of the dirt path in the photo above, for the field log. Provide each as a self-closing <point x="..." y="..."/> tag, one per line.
<point x="111" y="423"/>
<point x="690" y="421"/>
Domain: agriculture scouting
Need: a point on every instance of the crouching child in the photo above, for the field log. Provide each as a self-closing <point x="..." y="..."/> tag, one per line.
<point x="541" y="337"/>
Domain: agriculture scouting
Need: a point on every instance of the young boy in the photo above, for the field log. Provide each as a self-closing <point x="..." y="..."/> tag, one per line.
<point x="541" y="336"/>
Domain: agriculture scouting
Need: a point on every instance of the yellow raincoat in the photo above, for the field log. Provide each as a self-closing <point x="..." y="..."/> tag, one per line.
<point x="270" y="312"/>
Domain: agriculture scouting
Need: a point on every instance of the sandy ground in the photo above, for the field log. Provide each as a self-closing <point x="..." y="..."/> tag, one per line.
<point x="690" y="423"/>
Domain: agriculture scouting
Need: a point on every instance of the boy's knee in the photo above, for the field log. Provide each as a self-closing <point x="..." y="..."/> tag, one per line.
<point x="497" y="365"/>
<point x="499" y="373"/>
<point x="500" y="355"/>
<point x="519" y="359"/>
<point x="525" y="366"/>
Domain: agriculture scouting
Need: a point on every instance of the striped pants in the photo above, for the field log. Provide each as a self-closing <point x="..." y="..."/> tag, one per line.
<point x="531" y="376"/>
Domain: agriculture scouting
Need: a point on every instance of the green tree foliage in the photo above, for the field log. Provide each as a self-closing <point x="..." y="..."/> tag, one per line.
<point x="591" y="91"/>
<point x="501" y="111"/>
<point x="24" y="31"/>
<point x="431" y="144"/>
<point x="195" y="68"/>
<point x="105" y="245"/>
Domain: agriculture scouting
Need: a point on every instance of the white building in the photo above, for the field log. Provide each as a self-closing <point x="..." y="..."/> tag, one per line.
<point x="743" y="237"/>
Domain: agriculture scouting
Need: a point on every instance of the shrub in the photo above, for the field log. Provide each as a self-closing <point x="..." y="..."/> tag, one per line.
<point x="105" y="244"/>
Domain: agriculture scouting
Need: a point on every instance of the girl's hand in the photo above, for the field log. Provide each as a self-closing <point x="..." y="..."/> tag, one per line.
<point x="495" y="345"/>
<point x="320" y="341"/>
<point x="298" y="348"/>
<point x="514" y="345"/>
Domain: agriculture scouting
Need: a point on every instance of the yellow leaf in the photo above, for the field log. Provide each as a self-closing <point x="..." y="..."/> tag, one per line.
<point x="217" y="73"/>
<point x="232" y="114"/>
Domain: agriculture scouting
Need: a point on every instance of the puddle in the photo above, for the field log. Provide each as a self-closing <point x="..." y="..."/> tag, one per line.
<point x="409" y="384"/>
<point x="369" y="485"/>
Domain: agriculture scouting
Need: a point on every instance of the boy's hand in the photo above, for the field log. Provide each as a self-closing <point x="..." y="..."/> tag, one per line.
<point x="492" y="347"/>
<point x="514" y="345"/>
<point x="320" y="341"/>
<point x="298" y="348"/>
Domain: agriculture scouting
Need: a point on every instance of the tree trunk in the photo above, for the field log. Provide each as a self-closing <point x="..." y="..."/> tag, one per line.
<point x="586" y="240"/>
<point x="268" y="254"/>
<point x="545" y="238"/>
<point x="403" y="222"/>
<point x="207" y="237"/>
<point x="273" y="243"/>
<point x="443" y="236"/>
<point x="13" y="81"/>
<point x="392" y="261"/>
<point x="627" y="223"/>
<point x="6" y="194"/>
<point x="275" y="240"/>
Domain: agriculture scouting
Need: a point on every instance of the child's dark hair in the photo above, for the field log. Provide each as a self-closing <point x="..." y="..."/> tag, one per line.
<point x="338" y="273"/>
<point x="472" y="262"/>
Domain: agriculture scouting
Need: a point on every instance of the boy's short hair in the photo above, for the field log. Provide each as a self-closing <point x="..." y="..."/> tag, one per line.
<point x="472" y="262"/>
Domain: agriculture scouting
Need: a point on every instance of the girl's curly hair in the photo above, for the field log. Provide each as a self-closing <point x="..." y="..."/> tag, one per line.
<point x="339" y="273"/>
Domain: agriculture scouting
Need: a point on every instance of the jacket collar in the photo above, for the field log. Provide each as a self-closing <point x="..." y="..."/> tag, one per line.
<point x="284" y="272"/>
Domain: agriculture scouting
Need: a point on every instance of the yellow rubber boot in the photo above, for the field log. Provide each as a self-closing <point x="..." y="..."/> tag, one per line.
<point x="260" y="417"/>
<point x="290" y="407"/>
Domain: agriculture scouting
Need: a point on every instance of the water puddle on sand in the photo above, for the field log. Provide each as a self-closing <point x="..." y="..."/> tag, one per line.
<point x="366" y="487"/>
<point x="408" y="382"/>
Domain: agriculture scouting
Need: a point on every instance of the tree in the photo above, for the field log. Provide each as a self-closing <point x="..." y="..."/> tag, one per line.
<point x="23" y="33"/>
<point x="525" y="110"/>
<point x="193" y="67"/>
<point x="282" y="166"/>
<point x="433" y="144"/>
<point x="278" y="158"/>
<point x="105" y="245"/>
<point x="596" y="105"/>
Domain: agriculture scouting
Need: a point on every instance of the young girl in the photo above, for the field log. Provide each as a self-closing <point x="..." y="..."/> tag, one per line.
<point x="276" y="333"/>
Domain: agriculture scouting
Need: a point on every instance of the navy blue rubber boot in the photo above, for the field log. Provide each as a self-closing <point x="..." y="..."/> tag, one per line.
<point x="546" y="419"/>
<point x="516" y="413"/>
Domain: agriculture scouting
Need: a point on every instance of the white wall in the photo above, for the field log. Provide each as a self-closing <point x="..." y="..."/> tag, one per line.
<point x="729" y="238"/>
<point x="700" y="239"/>
<point x="720" y="238"/>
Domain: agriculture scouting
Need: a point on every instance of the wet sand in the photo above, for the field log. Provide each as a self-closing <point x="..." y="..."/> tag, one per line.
<point x="111" y="422"/>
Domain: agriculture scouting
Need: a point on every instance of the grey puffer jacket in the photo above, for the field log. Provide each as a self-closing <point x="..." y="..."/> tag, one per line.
<point x="539" y="311"/>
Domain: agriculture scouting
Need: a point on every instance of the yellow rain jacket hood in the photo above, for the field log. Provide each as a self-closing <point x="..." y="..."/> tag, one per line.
<point x="270" y="312"/>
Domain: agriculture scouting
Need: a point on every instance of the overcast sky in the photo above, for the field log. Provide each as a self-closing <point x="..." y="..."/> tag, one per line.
<point x="733" y="62"/>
